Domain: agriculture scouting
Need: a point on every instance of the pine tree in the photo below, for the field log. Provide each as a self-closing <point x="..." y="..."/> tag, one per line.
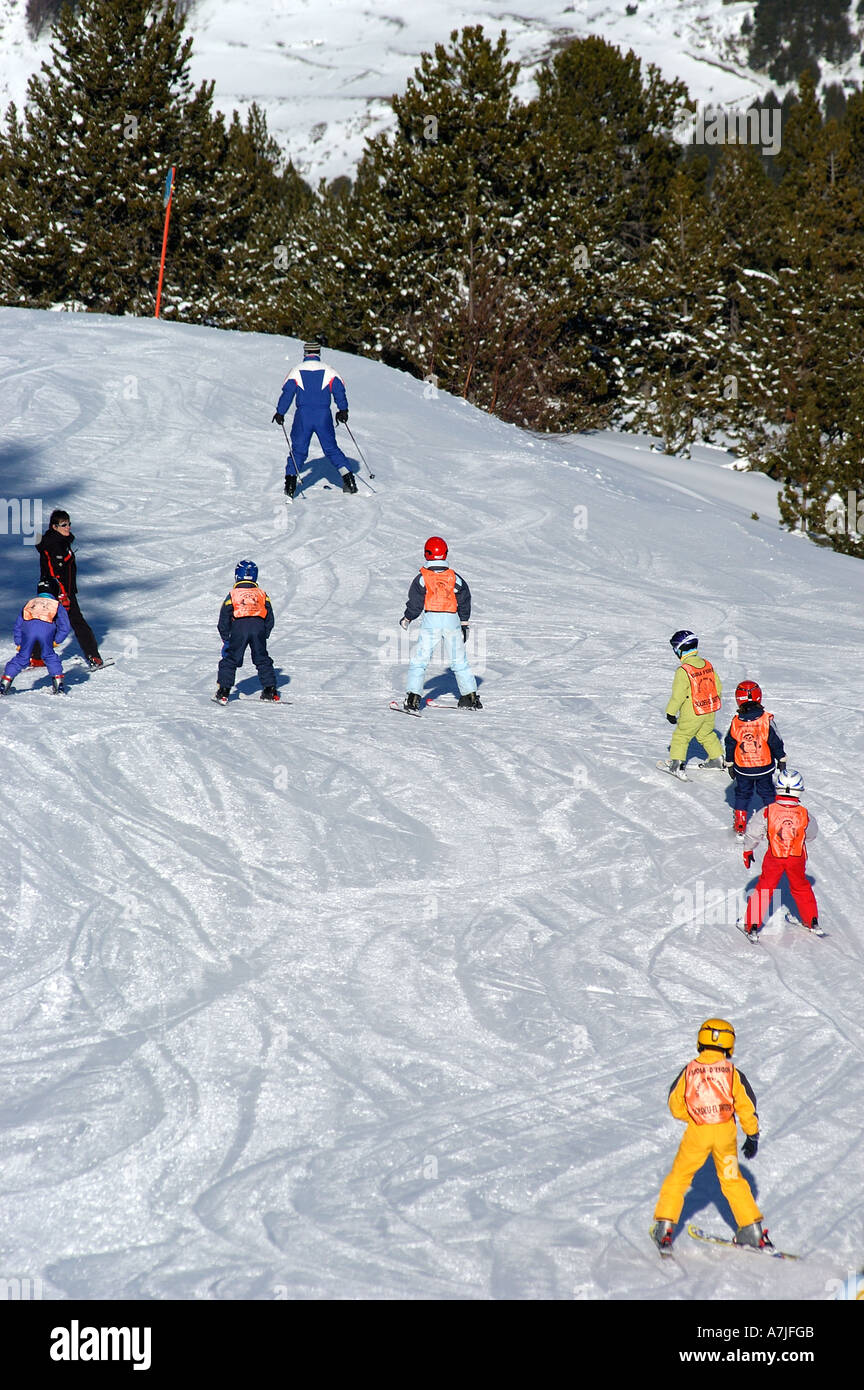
<point x="439" y="234"/>
<point x="673" y="367"/>
<point x="607" y="131"/>
<point x="742" y="203"/>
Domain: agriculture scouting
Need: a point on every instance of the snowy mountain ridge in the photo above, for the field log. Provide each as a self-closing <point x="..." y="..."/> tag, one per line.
<point x="324" y="70"/>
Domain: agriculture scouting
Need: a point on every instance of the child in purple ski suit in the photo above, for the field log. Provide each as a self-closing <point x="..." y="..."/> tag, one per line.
<point x="43" y="619"/>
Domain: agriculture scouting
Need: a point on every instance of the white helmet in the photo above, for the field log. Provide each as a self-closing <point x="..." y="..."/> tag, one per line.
<point x="789" y="783"/>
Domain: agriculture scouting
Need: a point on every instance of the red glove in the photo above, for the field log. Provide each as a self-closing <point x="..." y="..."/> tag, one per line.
<point x="747" y="856"/>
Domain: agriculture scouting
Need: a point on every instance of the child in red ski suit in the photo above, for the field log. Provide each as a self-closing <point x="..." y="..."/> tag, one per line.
<point x="786" y="825"/>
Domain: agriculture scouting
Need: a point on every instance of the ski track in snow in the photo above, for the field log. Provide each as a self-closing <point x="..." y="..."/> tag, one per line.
<point x="318" y="1004"/>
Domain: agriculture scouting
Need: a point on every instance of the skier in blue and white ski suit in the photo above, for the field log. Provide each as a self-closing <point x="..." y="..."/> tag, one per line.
<point x="311" y="387"/>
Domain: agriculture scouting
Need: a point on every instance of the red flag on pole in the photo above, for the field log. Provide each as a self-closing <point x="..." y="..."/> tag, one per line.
<point x="169" y="194"/>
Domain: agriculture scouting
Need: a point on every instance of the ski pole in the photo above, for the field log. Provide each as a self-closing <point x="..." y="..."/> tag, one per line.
<point x="360" y="452"/>
<point x="291" y="454"/>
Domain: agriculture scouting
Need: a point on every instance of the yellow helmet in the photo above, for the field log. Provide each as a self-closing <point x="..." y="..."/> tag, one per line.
<point x="716" y="1032"/>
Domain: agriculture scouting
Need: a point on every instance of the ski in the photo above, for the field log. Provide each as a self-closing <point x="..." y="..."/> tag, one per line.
<point x="665" y="1254"/>
<point x="752" y="936"/>
<point x="663" y="766"/>
<point x="707" y="1239"/>
<point x="398" y="705"/>
<point x="811" y="931"/>
<point x="254" y="699"/>
<point x="432" y="703"/>
<point x="81" y="661"/>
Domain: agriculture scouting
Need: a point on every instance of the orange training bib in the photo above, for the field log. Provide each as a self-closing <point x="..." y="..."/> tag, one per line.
<point x="440" y="591"/>
<point x="751" y="737"/>
<point x="786" y="829"/>
<point x="44" y="607"/>
<point x="249" y="603"/>
<point x="708" y="1092"/>
<point x="703" y="688"/>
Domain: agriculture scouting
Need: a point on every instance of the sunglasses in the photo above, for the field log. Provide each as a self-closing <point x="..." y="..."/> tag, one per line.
<point x="64" y="525"/>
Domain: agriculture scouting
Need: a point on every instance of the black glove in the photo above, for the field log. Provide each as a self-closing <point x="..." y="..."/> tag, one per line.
<point x="341" y="417"/>
<point x="730" y="768"/>
<point x="278" y="419"/>
<point x="464" y="632"/>
<point x="672" y="718"/>
<point x="781" y="764"/>
<point x="751" y="1145"/>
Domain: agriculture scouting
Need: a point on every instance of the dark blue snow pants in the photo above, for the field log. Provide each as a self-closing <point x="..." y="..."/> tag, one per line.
<point x="746" y="786"/>
<point x="246" y="632"/>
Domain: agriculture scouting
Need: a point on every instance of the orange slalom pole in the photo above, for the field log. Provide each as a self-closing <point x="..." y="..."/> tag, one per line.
<point x="169" y="194"/>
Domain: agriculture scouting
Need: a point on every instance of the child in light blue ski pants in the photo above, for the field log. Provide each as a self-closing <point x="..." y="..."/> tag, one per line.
<point x="435" y="627"/>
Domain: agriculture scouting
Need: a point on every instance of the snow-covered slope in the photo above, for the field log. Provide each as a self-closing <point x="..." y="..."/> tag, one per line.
<point x="324" y="70"/>
<point x="322" y="1001"/>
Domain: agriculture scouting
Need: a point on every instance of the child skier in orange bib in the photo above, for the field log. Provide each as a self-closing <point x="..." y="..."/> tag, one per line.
<point x="708" y="1095"/>
<point x="695" y="699"/>
<point x="785" y="824"/>
<point x="444" y="599"/>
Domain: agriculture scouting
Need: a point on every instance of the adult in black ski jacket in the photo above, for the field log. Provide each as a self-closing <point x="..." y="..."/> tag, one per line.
<point x="59" y="570"/>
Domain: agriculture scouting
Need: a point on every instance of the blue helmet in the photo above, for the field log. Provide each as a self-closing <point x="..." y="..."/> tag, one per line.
<point x="683" y="641"/>
<point x="246" y="569"/>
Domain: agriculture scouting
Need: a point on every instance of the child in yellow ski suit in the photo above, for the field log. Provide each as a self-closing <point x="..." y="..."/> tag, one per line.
<point x="708" y="1095"/>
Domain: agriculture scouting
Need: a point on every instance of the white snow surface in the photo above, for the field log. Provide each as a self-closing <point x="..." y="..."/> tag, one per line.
<point x="324" y="70"/>
<point x="325" y="1002"/>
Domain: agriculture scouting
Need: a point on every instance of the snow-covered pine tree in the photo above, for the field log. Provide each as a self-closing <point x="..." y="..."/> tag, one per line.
<point x="448" y="251"/>
<point x="811" y="362"/>
<point x="673" y="365"/>
<point x="603" y="132"/>
<point x="742" y="203"/>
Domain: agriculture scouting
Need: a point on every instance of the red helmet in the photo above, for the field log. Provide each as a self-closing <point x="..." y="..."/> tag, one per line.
<point x="748" y="690"/>
<point x="435" y="548"/>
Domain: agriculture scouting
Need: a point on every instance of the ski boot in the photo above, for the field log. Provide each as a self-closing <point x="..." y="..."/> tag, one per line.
<point x="94" y="662"/>
<point x="5" y="684"/>
<point x="270" y="693"/>
<point x="411" y="701"/>
<point x="661" y="1234"/>
<point x="753" y="1235"/>
<point x="57" y="686"/>
<point x="290" y="484"/>
<point x="739" y="822"/>
<point x="471" y="701"/>
<point x="222" y="693"/>
<point x="348" y="482"/>
<point x="712" y="763"/>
